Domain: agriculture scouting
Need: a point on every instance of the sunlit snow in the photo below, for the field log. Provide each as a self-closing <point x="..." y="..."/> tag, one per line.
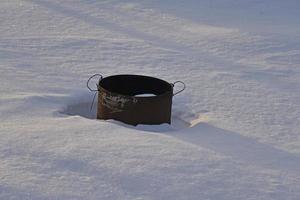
<point x="235" y="132"/>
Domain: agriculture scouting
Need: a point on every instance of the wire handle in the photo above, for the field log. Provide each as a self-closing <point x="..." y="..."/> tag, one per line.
<point x="183" y="88"/>
<point x="87" y="83"/>
<point x="93" y="90"/>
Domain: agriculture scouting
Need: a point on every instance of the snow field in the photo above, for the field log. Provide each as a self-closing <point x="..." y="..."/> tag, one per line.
<point x="235" y="131"/>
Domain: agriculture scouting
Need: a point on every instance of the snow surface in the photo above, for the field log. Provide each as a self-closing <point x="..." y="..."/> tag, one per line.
<point x="235" y="131"/>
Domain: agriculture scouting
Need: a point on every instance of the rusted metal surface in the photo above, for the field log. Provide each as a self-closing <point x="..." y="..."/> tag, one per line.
<point x="118" y="100"/>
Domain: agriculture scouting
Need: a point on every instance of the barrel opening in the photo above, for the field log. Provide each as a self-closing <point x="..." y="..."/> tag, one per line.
<point x="133" y="85"/>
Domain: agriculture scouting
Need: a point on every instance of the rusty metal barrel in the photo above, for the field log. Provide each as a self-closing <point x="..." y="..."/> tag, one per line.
<point x="135" y="99"/>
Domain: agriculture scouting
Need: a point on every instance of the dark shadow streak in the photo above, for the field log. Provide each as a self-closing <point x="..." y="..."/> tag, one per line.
<point x="240" y="148"/>
<point x="129" y="31"/>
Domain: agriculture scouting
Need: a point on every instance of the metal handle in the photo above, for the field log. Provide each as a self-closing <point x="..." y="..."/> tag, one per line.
<point x="87" y="83"/>
<point x="93" y="90"/>
<point x="183" y="84"/>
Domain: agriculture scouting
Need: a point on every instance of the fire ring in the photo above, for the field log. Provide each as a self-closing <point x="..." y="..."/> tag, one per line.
<point x="134" y="99"/>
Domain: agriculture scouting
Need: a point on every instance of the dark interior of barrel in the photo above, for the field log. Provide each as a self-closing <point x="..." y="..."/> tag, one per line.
<point x="132" y="85"/>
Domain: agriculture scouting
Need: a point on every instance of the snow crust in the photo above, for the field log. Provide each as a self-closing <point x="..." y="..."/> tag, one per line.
<point x="235" y="129"/>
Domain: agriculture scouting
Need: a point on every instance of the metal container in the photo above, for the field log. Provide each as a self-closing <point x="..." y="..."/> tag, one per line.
<point x="135" y="99"/>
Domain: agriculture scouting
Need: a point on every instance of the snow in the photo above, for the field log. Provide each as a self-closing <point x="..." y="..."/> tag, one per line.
<point x="235" y="129"/>
<point x="145" y="95"/>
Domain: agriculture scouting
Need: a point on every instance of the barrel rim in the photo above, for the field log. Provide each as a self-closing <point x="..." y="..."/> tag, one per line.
<point x="137" y="75"/>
